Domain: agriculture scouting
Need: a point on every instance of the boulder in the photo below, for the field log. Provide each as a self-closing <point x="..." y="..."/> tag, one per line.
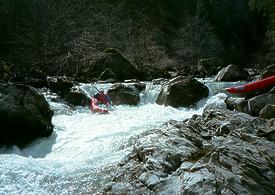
<point x="231" y="73"/>
<point x="24" y="114"/>
<point x="232" y="102"/>
<point x="124" y="94"/>
<point x="182" y="91"/>
<point x="140" y="86"/>
<point x="254" y="105"/>
<point x="77" y="97"/>
<point x="117" y="65"/>
<point x="268" y="111"/>
<point x="60" y="84"/>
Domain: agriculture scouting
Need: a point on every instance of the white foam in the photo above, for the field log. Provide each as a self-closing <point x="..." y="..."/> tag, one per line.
<point x="76" y="158"/>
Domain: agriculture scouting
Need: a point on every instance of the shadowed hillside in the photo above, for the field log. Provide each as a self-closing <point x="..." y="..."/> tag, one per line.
<point x="63" y="37"/>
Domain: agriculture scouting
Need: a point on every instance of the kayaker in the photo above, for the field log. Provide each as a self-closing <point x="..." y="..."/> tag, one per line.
<point x="103" y="98"/>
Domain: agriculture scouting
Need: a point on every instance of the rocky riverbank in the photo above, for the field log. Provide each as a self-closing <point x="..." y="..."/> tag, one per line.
<point x="220" y="152"/>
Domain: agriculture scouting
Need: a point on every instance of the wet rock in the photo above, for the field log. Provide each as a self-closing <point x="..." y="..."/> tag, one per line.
<point x="24" y="114"/>
<point x="232" y="102"/>
<point x="254" y="105"/>
<point x="178" y="159"/>
<point x="60" y="84"/>
<point x="77" y="97"/>
<point x="139" y="86"/>
<point x="231" y="73"/>
<point x="268" y="111"/>
<point x="182" y="91"/>
<point x="149" y="179"/>
<point x="271" y="124"/>
<point x="124" y="94"/>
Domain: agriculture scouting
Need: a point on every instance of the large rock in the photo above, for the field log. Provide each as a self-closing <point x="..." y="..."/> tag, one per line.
<point x="60" y="84"/>
<point x="254" y="105"/>
<point x="233" y="102"/>
<point x="182" y="91"/>
<point x="77" y="97"/>
<point x="220" y="152"/>
<point x="124" y="94"/>
<point x="112" y="64"/>
<point x="231" y="73"/>
<point x="117" y="65"/>
<point x="24" y="114"/>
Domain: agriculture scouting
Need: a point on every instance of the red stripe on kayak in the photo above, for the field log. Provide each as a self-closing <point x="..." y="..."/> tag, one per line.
<point x="253" y="86"/>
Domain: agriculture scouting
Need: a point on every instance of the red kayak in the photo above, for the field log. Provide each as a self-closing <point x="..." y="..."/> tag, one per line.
<point x="96" y="108"/>
<point x="253" y="86"/>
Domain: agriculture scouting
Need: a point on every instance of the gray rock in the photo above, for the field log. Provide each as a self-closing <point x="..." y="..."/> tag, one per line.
<point x="124" y="94"/>
<point x="254" y="105"/>
<point x="180" y="160"/>
<point x="232" y="102"/>
<point x="77" y="97"/>
<point x="182" y="91"/>
<point x="231" y="73"/>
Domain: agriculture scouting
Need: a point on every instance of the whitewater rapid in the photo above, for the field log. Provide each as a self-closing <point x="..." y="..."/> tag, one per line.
<point x="81" y="154"/>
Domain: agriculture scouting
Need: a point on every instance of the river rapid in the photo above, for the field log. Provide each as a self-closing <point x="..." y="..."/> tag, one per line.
<point x="84" y="149"/>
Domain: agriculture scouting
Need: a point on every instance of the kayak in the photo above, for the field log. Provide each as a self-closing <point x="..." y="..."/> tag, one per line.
<point x="252" y="87"/>
<point x="96" y="108"/>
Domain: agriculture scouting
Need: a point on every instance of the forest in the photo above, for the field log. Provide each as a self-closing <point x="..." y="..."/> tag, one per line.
<point x="49" y="37"/>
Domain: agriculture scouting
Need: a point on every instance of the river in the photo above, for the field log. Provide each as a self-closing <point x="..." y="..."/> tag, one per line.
<point x="81" y="154"/>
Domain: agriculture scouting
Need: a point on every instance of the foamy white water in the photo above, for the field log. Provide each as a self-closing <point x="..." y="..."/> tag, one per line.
<point x="80" y="155"/>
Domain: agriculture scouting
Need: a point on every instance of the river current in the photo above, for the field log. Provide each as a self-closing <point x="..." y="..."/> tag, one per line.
<point x="81" y="154"/>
